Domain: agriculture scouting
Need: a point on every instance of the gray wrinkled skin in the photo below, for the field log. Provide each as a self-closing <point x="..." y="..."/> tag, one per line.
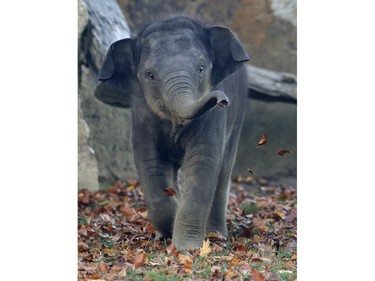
<point x="186" y="85"/>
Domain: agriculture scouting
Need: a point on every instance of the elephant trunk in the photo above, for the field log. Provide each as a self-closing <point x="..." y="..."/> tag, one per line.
<point x="189" y="108"/>
<point x="181" y="98"/>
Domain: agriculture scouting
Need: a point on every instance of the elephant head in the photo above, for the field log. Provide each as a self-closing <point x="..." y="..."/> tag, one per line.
<point x="174" y="65"/>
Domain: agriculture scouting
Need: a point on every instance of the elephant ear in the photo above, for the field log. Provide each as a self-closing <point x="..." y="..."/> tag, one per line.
<point x="229" y="54"/>
<point x="117" y="75"/>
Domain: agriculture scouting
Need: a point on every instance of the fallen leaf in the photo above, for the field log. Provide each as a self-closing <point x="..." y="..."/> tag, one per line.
<point x="231" y="274"/>
<point x="278" y="216"/>
<point x="263" y="140"/>
<point x="140" y="259"/>
<point x="205" y="249"/>
<point x="102" y="267"/>
<point x="282" y="152"/>
<point x="240" y="248"/>
<point x="234" y="261"/>
<point x="82" y="246"/>
<point x="170" y="191"/>
<point x="258" y="222"/>
<point x="149" y="227"/>
<point x="184" y="259"/>
<point x="215" y="236"/>
<point x="171" y="250"/>
<point x="133" y="182"/>
<point x="256" y="275"/>
<point x="187" y="262"/>
<point x="256" y="260"/>
<point x="122" y="273"/>
<point x="84" y="197"/>
<point x="95" y="276"/>
<point x="216" y="273"/>
<point x="244" y="267"/>
<point x="127" y="211"/>
<point x="216" y="247"/>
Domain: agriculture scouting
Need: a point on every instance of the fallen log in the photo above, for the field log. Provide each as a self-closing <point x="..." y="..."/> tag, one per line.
<point x="271" y="86"/>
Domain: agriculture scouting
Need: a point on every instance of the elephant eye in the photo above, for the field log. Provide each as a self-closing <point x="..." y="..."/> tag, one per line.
<point x="201" y="70"/>
<point x="150" y="76"/>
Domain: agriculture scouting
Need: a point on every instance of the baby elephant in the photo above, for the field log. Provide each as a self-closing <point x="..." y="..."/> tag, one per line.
<point x="173" y="76"/>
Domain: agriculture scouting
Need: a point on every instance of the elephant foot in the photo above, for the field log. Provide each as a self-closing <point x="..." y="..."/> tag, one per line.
<point x="184" y="244"/>
<point x="221" y="230"/>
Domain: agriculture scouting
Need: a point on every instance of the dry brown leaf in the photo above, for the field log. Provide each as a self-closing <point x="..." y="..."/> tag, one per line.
<point x="231" y="274"/>
<point x="234" y="261"/>
<point x="82" y="246"/>
<point x="127" y="211"/>
<point x="258" y="222"/>
<point x="102" y="267"/>
<point x="216" y="273"/>
<point x="263" y="140"/>
<point x="282" y="152"/>
<point x="244" y="267"/>
<point x="256" y="260"/>
<point x="240" y="247"/>
<point x="84" y="197"/>
<point x="122" y="273"/>
<point x="205" y="249"/>
<point x="256" y="275"/>
<point x="170" y="191"/>
<point x="184" y="259"/>
<point x="140" y="260"/>
<point x="187" y="262"/>
<point x="133" y="182"/>
<point x="171" y="250"/>
<point x="95" y="276"/>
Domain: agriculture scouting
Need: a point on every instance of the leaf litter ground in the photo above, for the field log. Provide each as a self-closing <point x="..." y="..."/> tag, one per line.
<point x="116" y="241"/>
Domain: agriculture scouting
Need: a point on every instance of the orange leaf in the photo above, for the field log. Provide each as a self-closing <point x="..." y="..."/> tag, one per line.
<point x="231" y="274"/>
<point x="184" y="259"/>
<point x="263" y="140"/>
<point x="282" y="152"/>
<point x="140" y="260"/>
<point x="241" y="248"/>
<point x="171" y="250"/>
<point x="187" y="261"/>
<point x="256" y="275"/>
<point x="102" y="267"/>
<point x="205" y="249"/>
<point x="95" y="276"/>
<point x="170" y="191"/>
<point x="127" y="211"/>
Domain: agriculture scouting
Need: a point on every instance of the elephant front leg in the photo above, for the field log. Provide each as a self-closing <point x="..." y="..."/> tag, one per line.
<point x="199" y="179"/>
<point x="161" y="208"/>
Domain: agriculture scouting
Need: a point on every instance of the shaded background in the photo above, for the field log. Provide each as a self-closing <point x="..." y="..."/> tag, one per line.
<point x="268" y="31"/>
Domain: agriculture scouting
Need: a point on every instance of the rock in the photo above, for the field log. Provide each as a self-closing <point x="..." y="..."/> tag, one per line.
<point x="109" y="127"/>
<point x="87" y="165"/>
<point x="285" y="9"/>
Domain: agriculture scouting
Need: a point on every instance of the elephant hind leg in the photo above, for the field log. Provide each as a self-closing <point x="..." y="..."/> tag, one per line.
<point x="216" y="220"/>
